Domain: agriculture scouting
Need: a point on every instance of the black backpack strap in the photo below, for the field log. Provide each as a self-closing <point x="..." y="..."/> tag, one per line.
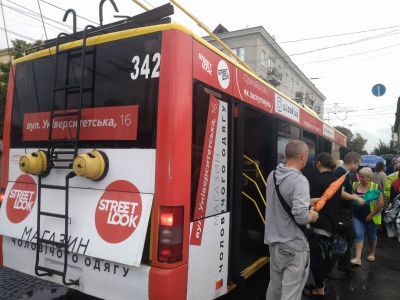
<point x="287" y="207"/>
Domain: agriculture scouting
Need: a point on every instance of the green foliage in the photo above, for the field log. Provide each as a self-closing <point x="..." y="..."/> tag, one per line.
<point x="4" y="72"/>
<point x="354" y="142"/>
<point x="383" y="148"/>
<point x="22" y="48"/>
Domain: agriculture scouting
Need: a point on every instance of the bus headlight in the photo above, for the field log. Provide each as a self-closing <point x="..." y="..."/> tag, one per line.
<point x="34" y="163"/>
<point x="92" y="165"/>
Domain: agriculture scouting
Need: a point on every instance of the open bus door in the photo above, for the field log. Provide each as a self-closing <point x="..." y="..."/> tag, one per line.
<point x="255" y="157"/>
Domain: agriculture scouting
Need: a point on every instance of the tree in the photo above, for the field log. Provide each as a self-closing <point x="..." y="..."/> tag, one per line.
<point x="354" y="143"/>
<point x="347" y="132"/>
<point x="382" y="148"/>
<point x="20" y="49"/>
<point x="4" y="72"/>
<point x="359" y="144"/>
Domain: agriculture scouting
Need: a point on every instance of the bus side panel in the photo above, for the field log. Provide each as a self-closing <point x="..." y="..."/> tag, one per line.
<point x="173" y="156"/>
<point x="208" y="262"/>
<point x="7" y="129"/>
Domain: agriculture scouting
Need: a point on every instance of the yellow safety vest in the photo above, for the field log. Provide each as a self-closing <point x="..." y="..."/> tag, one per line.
<point x="372" y="186"/>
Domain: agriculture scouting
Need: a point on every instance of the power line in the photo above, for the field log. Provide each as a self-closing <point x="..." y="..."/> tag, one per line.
<point x="26" y="14"/>
<point x="343" y="44"/>
<point x="18" y="34"/>
<point x="66" y="10"/>
<point x="341" y="34"/>
<point x="350" y="55"/>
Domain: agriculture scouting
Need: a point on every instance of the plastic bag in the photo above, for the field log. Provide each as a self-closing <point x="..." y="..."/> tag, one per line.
<point x="318" y="245"/>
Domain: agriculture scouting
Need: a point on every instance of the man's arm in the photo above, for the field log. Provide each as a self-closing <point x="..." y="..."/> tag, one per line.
<point x="351" y="197"/>
<point x="301" y="202"/>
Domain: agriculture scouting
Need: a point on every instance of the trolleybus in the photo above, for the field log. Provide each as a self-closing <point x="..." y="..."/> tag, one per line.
<point x="134" y="162"/>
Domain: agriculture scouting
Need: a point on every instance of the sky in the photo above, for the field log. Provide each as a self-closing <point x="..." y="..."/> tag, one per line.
<point x="346" y="46"/>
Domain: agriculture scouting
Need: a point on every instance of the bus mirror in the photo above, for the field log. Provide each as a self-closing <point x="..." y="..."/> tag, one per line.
<point x="34" y="163"/>
<point x="92" y="165"/>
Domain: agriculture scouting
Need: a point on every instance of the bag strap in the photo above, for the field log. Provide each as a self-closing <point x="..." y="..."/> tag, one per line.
<point x="287" y="207"/>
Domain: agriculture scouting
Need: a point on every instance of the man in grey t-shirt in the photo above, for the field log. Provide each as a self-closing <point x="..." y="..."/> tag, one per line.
<point x="288" y="246"/>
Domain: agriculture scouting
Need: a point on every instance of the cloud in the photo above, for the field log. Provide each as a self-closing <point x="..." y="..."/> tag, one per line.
<point x="373" y="134"/>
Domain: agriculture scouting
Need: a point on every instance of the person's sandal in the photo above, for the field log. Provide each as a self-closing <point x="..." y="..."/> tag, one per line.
<point x="355" y="262"/>
<point x="371" y="258"/>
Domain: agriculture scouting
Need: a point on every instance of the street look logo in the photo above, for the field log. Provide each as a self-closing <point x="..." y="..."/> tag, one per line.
<point x="118" y="211"/>
<point x="21" y="199"/>
<point x="223" y="74"/>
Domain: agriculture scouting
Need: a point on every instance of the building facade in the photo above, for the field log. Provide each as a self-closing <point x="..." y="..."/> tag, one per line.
<point x="259" y="50"/>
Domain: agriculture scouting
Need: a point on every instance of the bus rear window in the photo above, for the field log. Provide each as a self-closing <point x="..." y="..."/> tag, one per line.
<point x="119" y="92"/>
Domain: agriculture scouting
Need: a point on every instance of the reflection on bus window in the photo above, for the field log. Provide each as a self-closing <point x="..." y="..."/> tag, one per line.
<point x="280" y="153"/>
<point x="310" y="140"/>
<point x="289" y="129"/>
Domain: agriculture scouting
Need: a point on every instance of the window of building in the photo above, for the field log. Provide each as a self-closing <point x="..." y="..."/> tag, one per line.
<point x="264" y="58"/>
<point x="239" y="52"/>
<point x="271" y="62"/>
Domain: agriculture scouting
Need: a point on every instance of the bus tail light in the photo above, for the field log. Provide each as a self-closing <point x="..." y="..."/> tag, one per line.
<point x="170" y="234"/>
<point x="2" y="195"/>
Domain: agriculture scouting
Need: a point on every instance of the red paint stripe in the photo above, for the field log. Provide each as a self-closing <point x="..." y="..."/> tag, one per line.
<point x="173" y="157"/>
<point x="7" y="129"/>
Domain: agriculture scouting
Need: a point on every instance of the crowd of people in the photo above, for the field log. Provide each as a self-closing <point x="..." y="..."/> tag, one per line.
<point x="352" y="211"/>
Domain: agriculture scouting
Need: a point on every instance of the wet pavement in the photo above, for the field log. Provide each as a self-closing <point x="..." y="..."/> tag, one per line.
<point x="372" y="280"/>
<point x="17" y="285"/>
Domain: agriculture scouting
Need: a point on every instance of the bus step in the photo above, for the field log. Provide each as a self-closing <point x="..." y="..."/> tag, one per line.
<point x="63" y="141"/>
<point x="61" y="167"/>
<point x="65" y="114"/>
<point x="53" y="187"/>
<point x="61" y="160"/>
<point x="67" y="87"/>
<point x="49" y="242"/>
<point x="64" y="144"/>
<point x="45" y="213"/>
<point x="48" y="271"/>
<point x="63" y="152"/>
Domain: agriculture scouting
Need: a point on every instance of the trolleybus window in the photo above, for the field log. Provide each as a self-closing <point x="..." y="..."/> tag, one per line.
<point x="207" y="158"/>
<point x="121" y="73"/>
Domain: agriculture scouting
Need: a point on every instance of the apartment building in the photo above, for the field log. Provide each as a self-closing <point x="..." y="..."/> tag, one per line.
<point x="259" y="50"/>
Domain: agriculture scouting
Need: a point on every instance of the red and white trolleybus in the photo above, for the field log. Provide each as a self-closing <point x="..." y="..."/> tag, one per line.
<point x="134" y="163"/>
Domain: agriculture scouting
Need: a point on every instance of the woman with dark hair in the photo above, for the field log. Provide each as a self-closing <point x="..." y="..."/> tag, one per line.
<point x="326" y="223"/>
<point x="379" y="176"/>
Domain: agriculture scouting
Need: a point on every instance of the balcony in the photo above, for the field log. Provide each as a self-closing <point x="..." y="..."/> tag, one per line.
<point x="274" y="76"/>
<point x="299" y="96"/>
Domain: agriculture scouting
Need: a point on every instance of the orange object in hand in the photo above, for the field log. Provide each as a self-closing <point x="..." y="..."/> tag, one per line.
<point x="329" y="192"/>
